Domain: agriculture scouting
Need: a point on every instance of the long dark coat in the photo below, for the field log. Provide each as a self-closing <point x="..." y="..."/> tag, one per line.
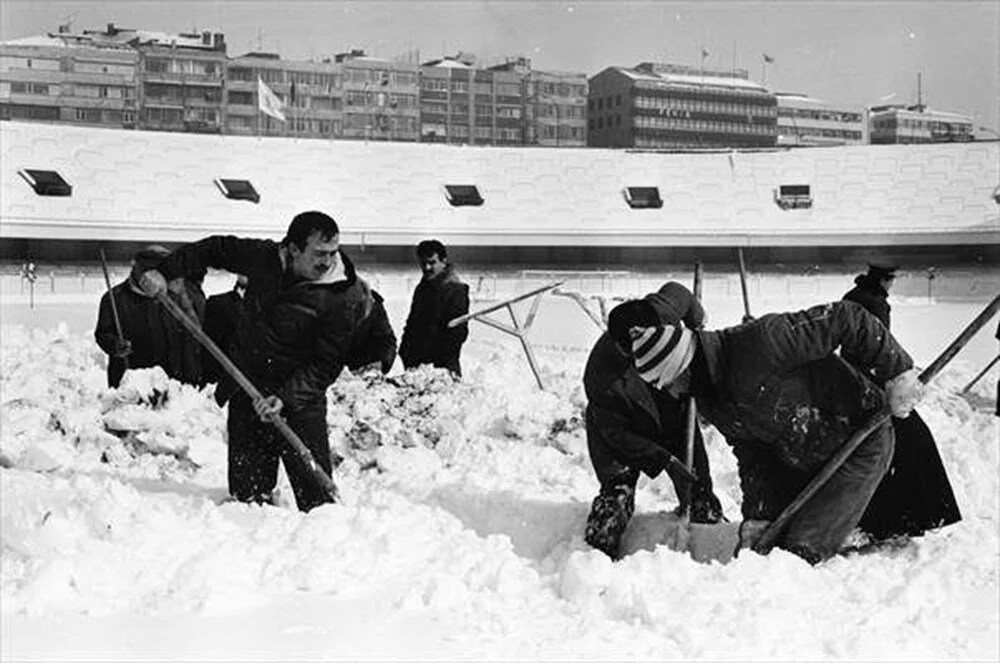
<point x="144" y="325"/>
<point x="915" y="494"/>
<point x="222" y="316"/>
<point x="427" y="339"/>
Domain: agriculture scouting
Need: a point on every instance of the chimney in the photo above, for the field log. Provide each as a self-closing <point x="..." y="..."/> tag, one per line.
<point x="111" y="30"/>
<point x="206" y="38"/>
<point x="219" y="41"/>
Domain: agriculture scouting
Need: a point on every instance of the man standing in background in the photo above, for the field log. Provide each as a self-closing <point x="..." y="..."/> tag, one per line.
<point x="439" y="297"/>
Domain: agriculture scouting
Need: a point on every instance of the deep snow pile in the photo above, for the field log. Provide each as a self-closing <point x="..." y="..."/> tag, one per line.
<point x="461" y="527"/>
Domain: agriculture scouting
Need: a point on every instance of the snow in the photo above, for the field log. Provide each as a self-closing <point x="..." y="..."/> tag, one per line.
<point x="459" y="536"/>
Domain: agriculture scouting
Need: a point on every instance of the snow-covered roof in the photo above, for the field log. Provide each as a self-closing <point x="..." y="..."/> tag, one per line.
<point x="693" y="79"/>
<point x="159" y="186"/>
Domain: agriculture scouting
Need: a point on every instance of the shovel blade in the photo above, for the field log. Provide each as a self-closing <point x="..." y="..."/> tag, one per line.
<point x="705" y="543"/>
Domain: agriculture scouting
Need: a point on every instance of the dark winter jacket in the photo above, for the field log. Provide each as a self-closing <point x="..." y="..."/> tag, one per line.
<point x="222" y="315"/>
<point x="294" y="336"/>
<point x="144" y="325"/>
<point x="776" y="380"/>
<point x="426" y="336"/>
<point x="631" y="424"/>
<point x="868" y="292"/>
<point x="374" y="340"/>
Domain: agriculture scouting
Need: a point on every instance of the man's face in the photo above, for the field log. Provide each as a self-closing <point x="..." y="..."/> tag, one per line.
<point x="432" y="266"/>
<point x="316" y="259"/>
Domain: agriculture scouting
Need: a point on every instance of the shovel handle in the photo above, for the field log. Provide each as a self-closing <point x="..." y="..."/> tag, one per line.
<point x="296" y="443"/>
<point x="774" y="530"/>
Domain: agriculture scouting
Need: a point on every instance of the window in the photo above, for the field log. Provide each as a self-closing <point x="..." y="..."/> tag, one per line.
<point x="240" y="98"/>
<point x="46" y="182"/>
<point x="643" y="197"/>
<point x="238" y="190"/>
<point x="463" y="195"/>
<point x="793" y="196"/>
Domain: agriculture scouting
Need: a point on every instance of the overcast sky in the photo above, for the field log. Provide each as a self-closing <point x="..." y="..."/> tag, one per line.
<point x="851" y="52"/>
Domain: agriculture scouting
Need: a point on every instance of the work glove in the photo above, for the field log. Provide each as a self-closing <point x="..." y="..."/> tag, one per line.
<point x="122" y="348"/>
<point x="608" y="518"/>
<point x="904" y="392"/>
<point x="153" y="283"/>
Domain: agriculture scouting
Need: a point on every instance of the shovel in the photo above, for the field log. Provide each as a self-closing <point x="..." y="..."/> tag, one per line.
<point x="321" y="477"/>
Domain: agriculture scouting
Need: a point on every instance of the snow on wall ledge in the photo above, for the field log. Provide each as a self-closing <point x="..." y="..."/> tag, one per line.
<point x="153" y="186"/>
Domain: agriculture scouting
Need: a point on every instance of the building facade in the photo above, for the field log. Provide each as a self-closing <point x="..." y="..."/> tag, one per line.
<point x="665" y="106"/>
<point x="77" y="79"/>
<point x="806" y="121"/>
<point x="181" y="83"/>
<point x="917" y="124"/>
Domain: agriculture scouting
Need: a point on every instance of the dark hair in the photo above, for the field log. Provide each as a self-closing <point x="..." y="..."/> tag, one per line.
<point x="307" y="223"/>
<point x="150" y="257"/>
<point x="633" y="313"/>
<point x="429" y="247"/>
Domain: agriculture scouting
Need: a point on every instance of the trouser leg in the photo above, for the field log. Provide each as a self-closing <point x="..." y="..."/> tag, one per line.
<point x="824" y="522"/>
<point x="310" y="426"/>
<point x="253" y="453"/>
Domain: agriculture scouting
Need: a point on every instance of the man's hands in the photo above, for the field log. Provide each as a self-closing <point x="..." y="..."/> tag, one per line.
<point x="268" y="408"/>
<point x="122" y="348"/>
<point x="153" y="283"/>
<point x="904" y="392"/>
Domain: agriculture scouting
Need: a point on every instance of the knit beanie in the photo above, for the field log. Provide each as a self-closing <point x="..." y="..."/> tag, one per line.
<point x="662" y="353"/>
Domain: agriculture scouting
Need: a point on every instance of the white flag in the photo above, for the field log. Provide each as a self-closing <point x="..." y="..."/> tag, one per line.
<point x="268" y="102"/>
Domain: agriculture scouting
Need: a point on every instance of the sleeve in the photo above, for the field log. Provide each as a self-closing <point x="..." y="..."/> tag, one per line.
<point x="105" y="333"/>
<point x="406" y="342"/>
<point x="797" y="338"/>
<point x="236" y="255"/>
<point x="383" y="340"/>
<point x="631" y="449"/>
<point x="457" y="304"/>
<point x="332" y="346"/>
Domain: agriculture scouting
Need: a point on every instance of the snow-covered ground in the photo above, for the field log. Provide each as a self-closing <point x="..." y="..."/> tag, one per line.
<point x="460" y="532"/>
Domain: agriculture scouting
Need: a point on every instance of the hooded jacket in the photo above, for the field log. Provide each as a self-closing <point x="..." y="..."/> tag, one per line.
<point x="294" y="336"/>
<point x="868" y="292"/>
<point x="427" y="339"/>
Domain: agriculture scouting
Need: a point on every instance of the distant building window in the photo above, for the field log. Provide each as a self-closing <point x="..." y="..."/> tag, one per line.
<point x="463" y="195"/>
<point x="643" y="197"/>
<point x="238" y="190"/>
<point x="46" y="182"/>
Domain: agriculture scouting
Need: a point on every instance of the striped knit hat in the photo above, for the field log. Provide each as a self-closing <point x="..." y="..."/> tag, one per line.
<point x="662" y="353"/>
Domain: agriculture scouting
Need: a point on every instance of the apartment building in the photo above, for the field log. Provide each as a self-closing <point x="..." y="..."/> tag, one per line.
<point x="917" y="124"/>
<point x="555" y="104"/>
<point x="72" y="78"/>
<point x="807" y="121"/>
<point x="668" y="106"/>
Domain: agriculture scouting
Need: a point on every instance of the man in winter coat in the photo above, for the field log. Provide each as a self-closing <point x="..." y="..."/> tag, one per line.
<point x="915" y="495"/>
<point x="786" y="403"/>
<point x="871" y="290"/>
<point x="374" y="343"/>
<point x="303" y="304"/>
<point x="148" y="338"/>
<point x="439" y="297"/>
<point x="222" y="315"/>
<point x="633" y="428"/>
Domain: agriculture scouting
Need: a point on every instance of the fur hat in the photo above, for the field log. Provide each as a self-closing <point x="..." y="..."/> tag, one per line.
<point x="662" y="353"/>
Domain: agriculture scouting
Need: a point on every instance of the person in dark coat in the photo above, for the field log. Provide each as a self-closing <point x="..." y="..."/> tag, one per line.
<point x="303" y="303"/>
<point x="439" y="297"/>
<point x="185" y="358"/>
<point x="144" y="339"/>
<point x="222" y="314"/>
<point x="632" y="428"/>
<point x="374" y="344"/>
<point x="786" y="403"/>
<point x="915" y="495"/>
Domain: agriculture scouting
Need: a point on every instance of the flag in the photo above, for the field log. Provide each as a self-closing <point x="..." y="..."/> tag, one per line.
<point x="268" y="102"/>
<point x="704" y="53"/>
<point x="767" y="58"/>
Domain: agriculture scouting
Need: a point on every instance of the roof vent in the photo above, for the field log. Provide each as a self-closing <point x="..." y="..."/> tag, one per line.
<point x="643" y="197"/>
<point x="793" y="196"/>
<point x="462" y="195"/>
<point x="46" y="182"/>
<point x="238" y="190"/>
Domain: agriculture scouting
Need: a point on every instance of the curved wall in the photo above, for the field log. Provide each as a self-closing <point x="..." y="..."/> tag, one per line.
<point x="134" y="186"/>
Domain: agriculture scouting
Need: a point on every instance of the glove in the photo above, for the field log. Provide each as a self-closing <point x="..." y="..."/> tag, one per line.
<point x="268" y="408"/>
<point x="123" y="348"/>
<point x="904" y="392"/>
<point x="153" y="283"/>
